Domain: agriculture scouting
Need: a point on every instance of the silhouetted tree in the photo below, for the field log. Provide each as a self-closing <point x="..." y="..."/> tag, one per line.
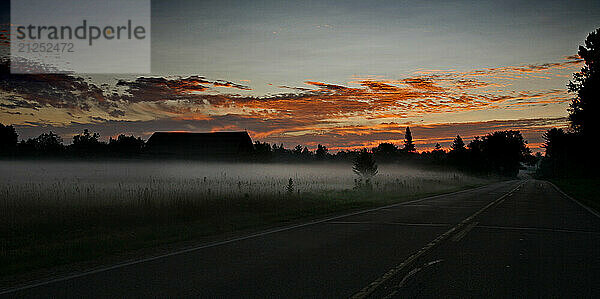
<point x="366" y="168"/>
<point x="88" y="144"/>
<point x="554" y="142"/>
<point x="297" y="151"/>
<point x="280" y="153"/>
<point x="365" y="165"/>
<point x="386" y="148"/>
<point x="8" y="139"/>
<point x="346" y="155"/>
<point x="306" y="153"/>
<point x="409" y="146"/>
<point x="475" y="160"/>
<point x="321" y="153"/>
<point x="584" y="109"/>
<point x="476" y="145"/>
<point x="50" y="142"/>
<point x="262" y="151"/>
<point x="126" y="144"/>
<point x="47" y="144"/>
<point x="458" y="145"/>
<point x="500" y="152"/>
<point x="438" y="154"/>
<point x="563" y="156"/>
<point x="385" y="151"/>
<point x="458" y="155"/>
<point x="86" y="138"/>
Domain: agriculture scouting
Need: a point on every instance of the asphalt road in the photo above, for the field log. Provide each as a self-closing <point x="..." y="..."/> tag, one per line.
<point x="517" y="238"/>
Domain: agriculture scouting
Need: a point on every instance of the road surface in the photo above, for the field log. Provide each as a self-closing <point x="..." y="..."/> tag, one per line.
<point x="515" y="238"/>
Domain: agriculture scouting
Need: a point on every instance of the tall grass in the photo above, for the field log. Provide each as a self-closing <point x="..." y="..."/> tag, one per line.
<point x="57" y="212"/>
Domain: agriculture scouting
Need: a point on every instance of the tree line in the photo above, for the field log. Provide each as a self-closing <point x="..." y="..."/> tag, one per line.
<point x="499" y="152"/>
<point x="51" y="145"/>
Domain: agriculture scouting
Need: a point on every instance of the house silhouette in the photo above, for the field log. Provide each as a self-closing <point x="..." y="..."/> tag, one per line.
<point x="225" y="145"/>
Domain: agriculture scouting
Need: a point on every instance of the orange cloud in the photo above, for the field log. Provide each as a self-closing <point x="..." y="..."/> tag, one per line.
<point x="357" y="114"/>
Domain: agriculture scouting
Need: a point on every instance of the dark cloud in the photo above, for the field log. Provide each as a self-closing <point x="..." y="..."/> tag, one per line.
<point x="97" y="119"/>
<point x="380" y="86"/>
<point x="14" y="103"/>
<point x="221" y="83"/>
<point x="326" y="86"/>
<point x="52" y="90"/>
<point x="13" y="113"/>
<point x="423" y="83"/>
<point x="116" y="113"/>
<point x="153" y="89"/>
<point x="67" y="91"/>
<point x="295" y="88"/>
<point x="470" y="83"/>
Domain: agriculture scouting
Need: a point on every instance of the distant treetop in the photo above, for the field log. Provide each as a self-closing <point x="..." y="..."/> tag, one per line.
<point x="409" y="146"/>
<point x="458" y="145"/>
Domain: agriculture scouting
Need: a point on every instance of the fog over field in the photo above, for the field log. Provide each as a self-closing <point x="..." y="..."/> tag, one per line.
<point x="57" y="212"/>
<point x="111" y="181"/>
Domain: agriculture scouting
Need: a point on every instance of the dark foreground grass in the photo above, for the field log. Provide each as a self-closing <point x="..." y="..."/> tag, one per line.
<point x="584" y="190"/>
<point x="37" y="237"/>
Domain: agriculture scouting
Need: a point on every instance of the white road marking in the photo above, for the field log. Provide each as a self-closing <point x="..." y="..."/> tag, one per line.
<point x="575" y="200"/>
<point x="409" y="275"/>
<point x="464" y="232"/>
<point x="369" y="289"/>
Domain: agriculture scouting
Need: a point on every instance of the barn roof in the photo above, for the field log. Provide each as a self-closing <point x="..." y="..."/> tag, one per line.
<point x="200" y="144"/>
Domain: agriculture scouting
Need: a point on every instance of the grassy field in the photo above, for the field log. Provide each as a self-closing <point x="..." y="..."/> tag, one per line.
<point x="58" y="213"/>
<point x="582" y="189"/>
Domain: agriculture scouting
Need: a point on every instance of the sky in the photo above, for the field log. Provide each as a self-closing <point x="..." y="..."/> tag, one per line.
<point x="346" y="74"/>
